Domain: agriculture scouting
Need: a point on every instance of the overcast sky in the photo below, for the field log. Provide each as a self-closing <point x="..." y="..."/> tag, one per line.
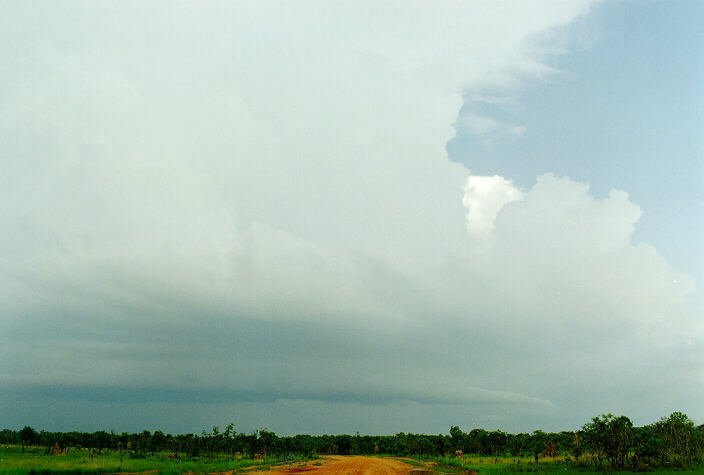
<point x="331" y="217"/>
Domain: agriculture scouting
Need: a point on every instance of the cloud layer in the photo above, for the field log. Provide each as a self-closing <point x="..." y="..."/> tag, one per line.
<point x="253" y="203"/>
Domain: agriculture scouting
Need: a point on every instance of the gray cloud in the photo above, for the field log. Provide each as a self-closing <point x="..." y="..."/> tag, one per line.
<point x="252" y="208"/>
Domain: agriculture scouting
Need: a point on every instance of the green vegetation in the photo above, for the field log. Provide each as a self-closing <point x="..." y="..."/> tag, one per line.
<point x="605" y="443"/>
<point x="81" y="460"/>
<point x="486" y="464"/>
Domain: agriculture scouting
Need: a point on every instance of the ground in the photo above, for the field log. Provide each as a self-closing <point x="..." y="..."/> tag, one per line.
<point x="334" y="464"/>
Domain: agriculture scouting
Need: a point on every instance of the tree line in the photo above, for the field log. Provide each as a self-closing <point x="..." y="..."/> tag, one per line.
<point x="605" y="441"/>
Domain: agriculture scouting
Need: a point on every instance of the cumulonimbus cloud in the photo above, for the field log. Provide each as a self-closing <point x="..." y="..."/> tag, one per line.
<point x="284" y="166"/>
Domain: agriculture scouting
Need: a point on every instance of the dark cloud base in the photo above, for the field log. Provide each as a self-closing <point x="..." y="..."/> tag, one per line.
<point x="156" y="394"/>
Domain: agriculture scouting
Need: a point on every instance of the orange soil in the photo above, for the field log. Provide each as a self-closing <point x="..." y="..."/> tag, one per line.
<point x="346" y="465"/>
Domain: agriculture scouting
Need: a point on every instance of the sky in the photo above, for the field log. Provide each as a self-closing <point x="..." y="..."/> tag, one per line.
<point x="340" y="217"/>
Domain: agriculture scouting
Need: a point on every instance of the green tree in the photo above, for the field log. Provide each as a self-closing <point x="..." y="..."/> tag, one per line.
<point x="267" y="441"/>
<point x="457" y="437"/>
<point x="229" y="438"/>
<point x="677" y="435"/>
<point x="648" y="444"/>
<point x="610" y="438"/>
<point x="537" y="444"/>
<point x="28" y="436"/>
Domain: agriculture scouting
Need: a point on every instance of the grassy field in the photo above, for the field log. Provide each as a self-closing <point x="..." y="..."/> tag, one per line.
<point x="499" y="464"/>
<point x="35" y="460"/>
<point x="558" y="464"/>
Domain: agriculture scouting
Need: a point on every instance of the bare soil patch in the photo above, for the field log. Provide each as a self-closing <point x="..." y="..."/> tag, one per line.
<point x="345" y="465"/>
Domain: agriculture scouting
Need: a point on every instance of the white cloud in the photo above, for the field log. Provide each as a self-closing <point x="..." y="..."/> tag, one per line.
<point x="558" y="254"/>
<point x="484" y="196"/>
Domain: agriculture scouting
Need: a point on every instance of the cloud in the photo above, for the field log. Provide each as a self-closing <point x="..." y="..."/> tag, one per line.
<point x="481" y="125"/>
<point x="561" y="255"/>
<point x="484" y="196"/>
<point x="257" y="201"/>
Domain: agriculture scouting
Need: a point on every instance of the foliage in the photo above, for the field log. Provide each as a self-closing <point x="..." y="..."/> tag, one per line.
<point x="605" y="442"/>
<point x="610" y="439"/>
<point x="93" y="461"/>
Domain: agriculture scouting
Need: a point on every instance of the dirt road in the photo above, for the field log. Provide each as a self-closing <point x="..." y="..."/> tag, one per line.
<point x="346" y="466"/>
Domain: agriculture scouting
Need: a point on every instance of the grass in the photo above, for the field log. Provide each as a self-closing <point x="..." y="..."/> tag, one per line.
<point x="500" y="464"/>
<point x="558" y="464"/>
<point x="82" y="461"/>
<point x="35" y="460"/>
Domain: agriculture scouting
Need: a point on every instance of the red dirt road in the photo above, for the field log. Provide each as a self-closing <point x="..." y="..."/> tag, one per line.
<point x="345" y="465"/>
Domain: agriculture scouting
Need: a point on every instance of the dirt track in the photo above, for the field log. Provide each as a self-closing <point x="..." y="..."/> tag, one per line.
<point x="346" y="466"/>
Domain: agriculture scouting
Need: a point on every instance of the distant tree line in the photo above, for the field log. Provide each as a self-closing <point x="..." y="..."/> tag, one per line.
<point x="606" y="441"/>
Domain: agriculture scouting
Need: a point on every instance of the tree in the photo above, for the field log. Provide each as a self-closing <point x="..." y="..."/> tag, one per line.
<point x="267" y="441"/>
<point x="497" y="442"/>
<point x="28" y="436"/>
<point x="457" y="437"/>
<point x="229" y="437"/>
<point x="576" y="447"/>
<point x="537" y="444"/>
<point x="610" y="438"/>
<point x="648" y="444"/>
<point x="158" y="441"/>
<point x="677" y="435"/>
